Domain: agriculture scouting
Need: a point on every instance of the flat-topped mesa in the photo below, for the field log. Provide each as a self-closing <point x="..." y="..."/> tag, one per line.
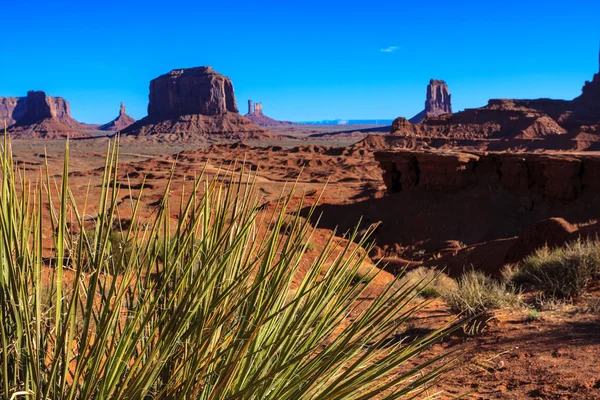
<point x="39" y="107"/>
<point x="437" y="102"/>
<point x="190" y="91"/>
<point x="45" y="117"/>
<point x="192" y="104"/>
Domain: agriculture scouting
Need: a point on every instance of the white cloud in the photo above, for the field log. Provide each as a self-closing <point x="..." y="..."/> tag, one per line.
<point x="390" y="49"/>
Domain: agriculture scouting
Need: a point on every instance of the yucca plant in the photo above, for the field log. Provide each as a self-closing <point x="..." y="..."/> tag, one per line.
<point x="209" y="305"/>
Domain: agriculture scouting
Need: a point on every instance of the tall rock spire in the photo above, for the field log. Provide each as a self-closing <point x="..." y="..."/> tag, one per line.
<point x="438" y="101"/>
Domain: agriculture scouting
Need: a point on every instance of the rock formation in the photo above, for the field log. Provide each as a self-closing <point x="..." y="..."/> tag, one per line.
<point x="191" y="104"/>
<point x="258" y="109"/>
<point x="552" y="176"/>
<point x="119" y="123"/>
<point x="506" y="123"/>
<point x="190" y="91"/>
<point x="12" y="109"/>
<point x="438" y="101"/>
<point x="44" y="117"/>
<point x="486" y="200"/>
<point x="587" y="106"/>
<point x="255" y="114"/>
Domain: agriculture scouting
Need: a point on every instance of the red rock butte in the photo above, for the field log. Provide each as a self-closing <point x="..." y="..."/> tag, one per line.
<point x="193" y="103"/>
<point x="39" y="116"/>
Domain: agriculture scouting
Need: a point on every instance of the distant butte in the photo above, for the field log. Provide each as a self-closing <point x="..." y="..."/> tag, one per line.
<point x="255" y="114"/>
<point x="505" y="124"/>
<point x="119" y="123"/>
<point x="438" y="101"/>
<point x="39" y="116"/>
<point x="194" y="103"/>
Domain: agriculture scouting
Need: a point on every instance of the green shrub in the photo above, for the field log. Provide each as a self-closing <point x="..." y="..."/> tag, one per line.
<point x="210" y="306"/>
<point x="477" y="293"/>
<point x="430" y="283"/>
<point x="561" y="273"/>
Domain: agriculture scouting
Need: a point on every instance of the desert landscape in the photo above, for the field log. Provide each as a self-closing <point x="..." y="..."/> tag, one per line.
<point x="478" y="229"/>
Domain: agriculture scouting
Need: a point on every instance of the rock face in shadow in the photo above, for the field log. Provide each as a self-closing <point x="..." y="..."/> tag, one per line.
<point x="191" y="104"/>
<point x="587" y="106"/>
<point x="553" y="176"/>
<point x="44" y="117"/>
<point x="12" y="109"/>
<point x="198" y="90"/>
<point x="438" y="101"/>
<point x="39" y="107"/>
<point x="119" y="123"/>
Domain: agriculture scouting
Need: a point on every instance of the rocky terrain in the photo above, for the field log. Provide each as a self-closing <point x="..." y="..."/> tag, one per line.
<point x="506" y="124"/>
<point x="121" y="122"/>
<point x="255" y="114"/>
<point x="486" y="201"/>
<point x="193" y="103"/>
<point x="437" y="102"/>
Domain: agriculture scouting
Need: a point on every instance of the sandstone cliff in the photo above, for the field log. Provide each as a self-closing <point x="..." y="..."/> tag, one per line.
<point x="12" y="109"/>
<point x="500" y="206"/>
<point x="552" y="176"/>
<point x="188" y="91"/>
<point x="193" y="103"/>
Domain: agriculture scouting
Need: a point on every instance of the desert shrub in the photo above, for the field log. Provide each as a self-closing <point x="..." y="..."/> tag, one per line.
<point x="430" y="283"/>
<point x="478" y="293"/>
<point x="208" y="306"/>
<point x="563" y="272"/>
<point x="533" y="315"/>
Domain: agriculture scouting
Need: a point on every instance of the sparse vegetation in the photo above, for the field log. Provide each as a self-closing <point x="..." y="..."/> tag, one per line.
<point x="560" y="273"/>
<point x="207" y="305"/>
<point x="430" y="283"/>
<point x="533" y="315"/>
<point x="477" y="293"/>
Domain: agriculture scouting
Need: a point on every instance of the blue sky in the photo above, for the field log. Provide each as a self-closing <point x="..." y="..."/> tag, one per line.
<point x="305" y="60"/>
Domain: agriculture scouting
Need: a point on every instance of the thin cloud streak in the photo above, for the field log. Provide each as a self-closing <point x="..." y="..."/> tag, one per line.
<point x="390" y="49"/>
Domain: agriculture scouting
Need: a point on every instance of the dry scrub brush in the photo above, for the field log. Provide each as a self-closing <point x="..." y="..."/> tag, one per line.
<point x="478" y="293"/>
<point x="201" y="307"/>
<point x="560" y="273"/>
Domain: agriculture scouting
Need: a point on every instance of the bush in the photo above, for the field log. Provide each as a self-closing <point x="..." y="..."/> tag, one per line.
<point x="477" y="293"/>
<point x="430" y="283"/>
<point x="212" y="305"/>
<point x="561" y="273"/>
